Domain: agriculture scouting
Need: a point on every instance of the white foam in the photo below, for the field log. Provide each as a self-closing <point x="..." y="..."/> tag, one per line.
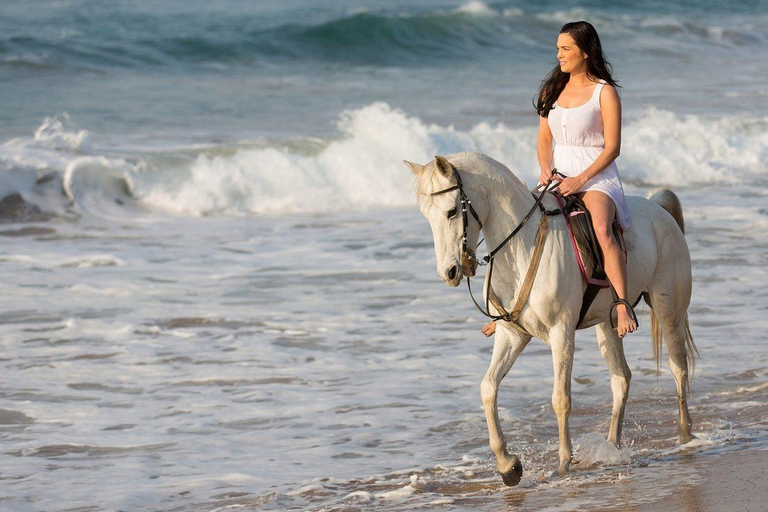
<point x="513" y="12"/>
<point x="742" y="405"/>
<point x="362" y="168"/>
<point x="305" y="490"/>
<point x="402" y="492"/>
<point x="92" y="290"/>
<point x="97" y="174"/>
<point x="663" y="148"/>
<point x="476" y="7"/>
<point x="60" y="133"/>
<point x="744" y="389"/>
<point x="53" y="170"/>
<point x="700" y="441"/>
<point x="98" y="260"/>
<point x="360" y="496"/>
<point x="595" y="449"/>
<point x="51" y="261"/>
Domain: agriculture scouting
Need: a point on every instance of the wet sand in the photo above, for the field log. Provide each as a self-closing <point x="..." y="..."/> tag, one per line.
<point x="733" y="481"/>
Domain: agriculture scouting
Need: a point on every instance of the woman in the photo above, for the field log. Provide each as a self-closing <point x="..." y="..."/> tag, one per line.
<point x="580" y="111"/>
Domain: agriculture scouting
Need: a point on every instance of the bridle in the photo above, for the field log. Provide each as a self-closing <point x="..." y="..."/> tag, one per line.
<point x="468" y="257"/>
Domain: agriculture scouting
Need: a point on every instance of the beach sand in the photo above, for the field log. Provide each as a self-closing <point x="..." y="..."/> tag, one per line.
<point x="733" y="481"/>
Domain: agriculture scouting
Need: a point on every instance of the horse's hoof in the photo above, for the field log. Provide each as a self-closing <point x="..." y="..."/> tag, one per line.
<point x="685" y="439"/>
<point x="512" y="477"/>
<point x="562" y="470"/>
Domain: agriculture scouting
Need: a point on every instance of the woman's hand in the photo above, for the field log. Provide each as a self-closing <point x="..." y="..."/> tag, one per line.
<point x="545" y="176"/>
<point x="570" y="186"/>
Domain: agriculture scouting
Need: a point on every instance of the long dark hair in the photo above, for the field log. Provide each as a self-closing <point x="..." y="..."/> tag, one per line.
<point x="598" y="66"/>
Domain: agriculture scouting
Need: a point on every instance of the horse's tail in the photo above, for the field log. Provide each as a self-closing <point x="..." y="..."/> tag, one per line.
<point x="670" y="202"/>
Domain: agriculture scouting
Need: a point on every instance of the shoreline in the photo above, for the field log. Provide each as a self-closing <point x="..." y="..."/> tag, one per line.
<point x="731" y="481"/>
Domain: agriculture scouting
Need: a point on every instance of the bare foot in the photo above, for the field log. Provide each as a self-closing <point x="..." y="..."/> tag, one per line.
<point x="625" y="322"/>
<point x="489" y="329"/>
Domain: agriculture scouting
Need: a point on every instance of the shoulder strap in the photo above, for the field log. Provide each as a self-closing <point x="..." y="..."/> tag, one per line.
<point x="598" y="88"/>
<point x="596" y="95"/>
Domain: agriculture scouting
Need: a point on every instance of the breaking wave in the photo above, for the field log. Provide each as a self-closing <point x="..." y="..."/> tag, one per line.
<point x="61" y="169"/>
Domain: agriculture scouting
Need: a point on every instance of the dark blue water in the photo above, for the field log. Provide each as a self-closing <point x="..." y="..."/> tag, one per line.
<point x="235" y="70"/>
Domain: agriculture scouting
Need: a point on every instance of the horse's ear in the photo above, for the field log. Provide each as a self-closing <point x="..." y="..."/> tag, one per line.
<point x="444" y="166"/>
<point x="416" y="168"/>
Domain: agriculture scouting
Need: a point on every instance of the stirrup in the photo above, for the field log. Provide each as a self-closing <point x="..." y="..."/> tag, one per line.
<point x="615" y="322"/>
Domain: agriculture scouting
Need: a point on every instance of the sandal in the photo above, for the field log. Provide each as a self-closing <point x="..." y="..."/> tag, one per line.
<point x="615" y="320"/>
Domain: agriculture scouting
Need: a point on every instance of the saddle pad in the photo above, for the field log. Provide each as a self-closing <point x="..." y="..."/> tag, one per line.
<point x="585" y="243"/>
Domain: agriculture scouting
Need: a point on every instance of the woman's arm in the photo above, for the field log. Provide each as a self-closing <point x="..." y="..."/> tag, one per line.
<point x="544" y="150"/>
<point x="611" y="113"/>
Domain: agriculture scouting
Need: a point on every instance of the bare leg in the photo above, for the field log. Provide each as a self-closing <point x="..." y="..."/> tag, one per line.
<point x="613" y="352"/>
<point x="603" y="210"/>
<point x="507" y="346"/>
<point x="489" y="328"/>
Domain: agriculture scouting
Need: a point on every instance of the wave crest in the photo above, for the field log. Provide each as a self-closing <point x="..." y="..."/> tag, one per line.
<point x="363" y="168"/>
<point x="60" y="133"/>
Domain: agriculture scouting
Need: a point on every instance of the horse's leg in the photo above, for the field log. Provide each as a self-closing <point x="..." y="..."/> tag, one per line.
<point x="671" y="315"/>
<point x="674" y="335"/>
<point x="612" y="348"/>
<point x="508" y="343"/>
<point x="562" y="344"/>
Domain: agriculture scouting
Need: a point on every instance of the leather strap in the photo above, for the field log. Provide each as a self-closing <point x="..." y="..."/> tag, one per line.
<point x="541" y="237"/>
<point x="530" y="276"/>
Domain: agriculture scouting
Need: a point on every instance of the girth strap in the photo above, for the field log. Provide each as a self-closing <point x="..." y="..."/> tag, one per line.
<point x="530" y="276"/>
<point x="506" y="316"/>
<point x="541" y="237"/>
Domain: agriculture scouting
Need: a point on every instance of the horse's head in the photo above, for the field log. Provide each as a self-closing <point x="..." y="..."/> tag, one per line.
<point x="440" y="191"/>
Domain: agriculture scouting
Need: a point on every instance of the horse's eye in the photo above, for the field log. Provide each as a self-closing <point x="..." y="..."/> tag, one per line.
<point x="452" y="213"/>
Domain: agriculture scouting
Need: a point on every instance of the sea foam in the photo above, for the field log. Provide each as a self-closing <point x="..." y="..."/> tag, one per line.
<point x="363" y="168"/>
<point x="360" y="169"/>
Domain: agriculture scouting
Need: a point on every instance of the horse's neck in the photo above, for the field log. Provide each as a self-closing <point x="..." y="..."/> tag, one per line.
<point x="508" y="206"/>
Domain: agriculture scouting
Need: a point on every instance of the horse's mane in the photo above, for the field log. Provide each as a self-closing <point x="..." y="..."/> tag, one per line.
<point x="487" y="165"/>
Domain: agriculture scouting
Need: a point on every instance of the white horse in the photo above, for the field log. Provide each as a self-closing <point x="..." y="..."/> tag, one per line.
<point x="659" y="269"/>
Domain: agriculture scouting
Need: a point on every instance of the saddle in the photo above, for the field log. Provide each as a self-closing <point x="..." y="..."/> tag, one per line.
<point x="587" y="249"/>
<point x="588" y="255"/>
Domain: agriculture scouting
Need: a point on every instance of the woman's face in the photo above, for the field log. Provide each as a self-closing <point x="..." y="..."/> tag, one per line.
<point x="572" y="59"/>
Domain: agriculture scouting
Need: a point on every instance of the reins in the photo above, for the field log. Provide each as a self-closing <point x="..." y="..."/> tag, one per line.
<point x="468" y="257"/>
<point x="527" y="217"/>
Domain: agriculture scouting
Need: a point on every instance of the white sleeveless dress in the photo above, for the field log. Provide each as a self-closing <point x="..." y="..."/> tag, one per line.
<point x="579" y="140"/>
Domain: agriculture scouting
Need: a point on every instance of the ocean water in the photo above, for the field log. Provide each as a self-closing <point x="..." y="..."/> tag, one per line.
<point x="219" y="294"/>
